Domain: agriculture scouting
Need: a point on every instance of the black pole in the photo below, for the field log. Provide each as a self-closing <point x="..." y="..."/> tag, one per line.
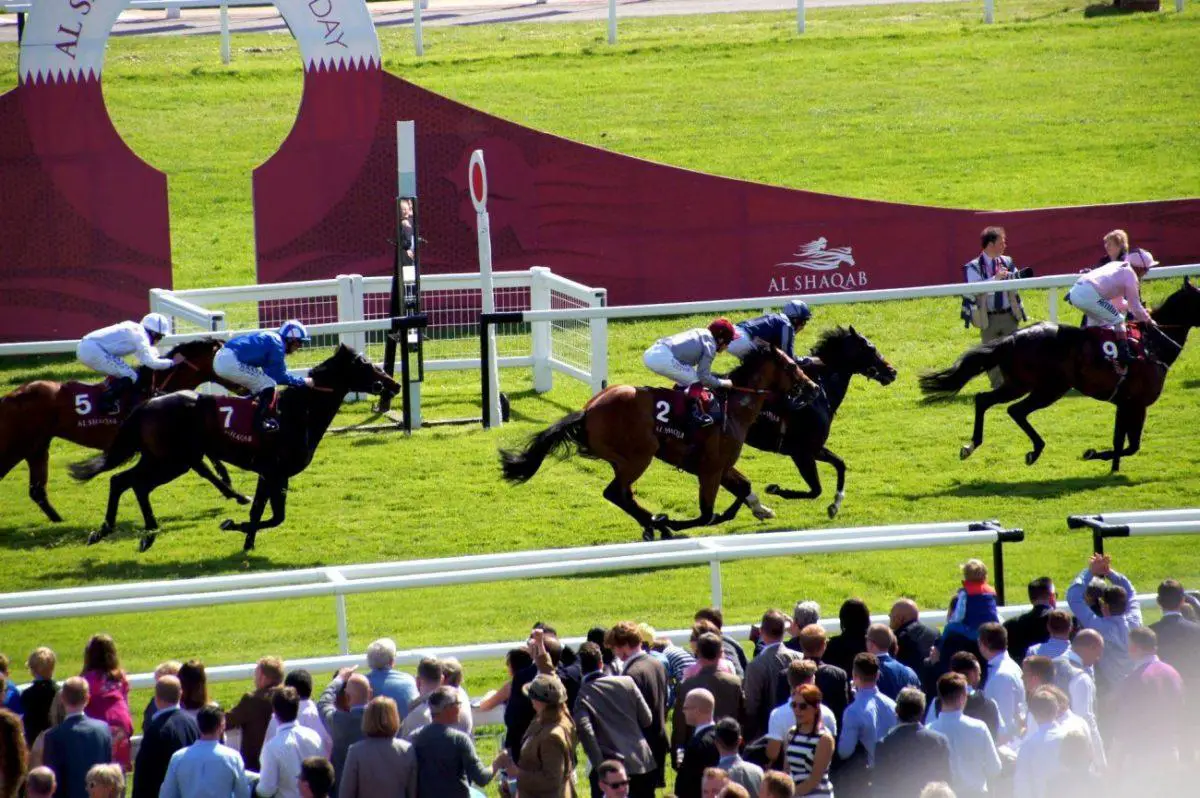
<point x="485" y="360"/>
<point x="405" y="385"/>
<point x="998" y="569"/>
<point x="1097" y="541"/>
<point x="20" y="26"/>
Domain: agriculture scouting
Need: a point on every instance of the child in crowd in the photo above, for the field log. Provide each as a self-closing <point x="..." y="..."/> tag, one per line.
<point x="39" y="696"/>
<point x="10" y="696"/>
<point x="975" y="603"/>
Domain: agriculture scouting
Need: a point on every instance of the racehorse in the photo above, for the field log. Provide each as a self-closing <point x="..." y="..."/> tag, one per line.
<point x="174" y="433"/>
<point x="1046" y="360"/>
<point x="629" y="427"/>
<point x="37" y="412"/>
<point x="801" y="433"/>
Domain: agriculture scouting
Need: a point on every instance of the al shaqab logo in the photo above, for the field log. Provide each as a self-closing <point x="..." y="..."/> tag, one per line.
<point x="825" y="267"/>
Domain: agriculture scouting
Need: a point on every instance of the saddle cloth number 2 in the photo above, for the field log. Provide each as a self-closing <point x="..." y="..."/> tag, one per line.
<point x="663" y="409"/>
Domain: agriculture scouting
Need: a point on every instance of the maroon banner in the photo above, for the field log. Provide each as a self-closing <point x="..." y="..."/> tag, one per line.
<point x="645" y="231"/>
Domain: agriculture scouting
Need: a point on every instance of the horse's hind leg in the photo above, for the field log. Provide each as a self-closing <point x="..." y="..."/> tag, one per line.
<point x="983" y="402"/>
<point x="709" y="485"/>
<point x="278" y="499"/>
<point x="1020" y="411"/>
<point x="117" y="486"/>
<point x="223" y="475"/>
<point x="1128" y="424"/>
<point x="839" y="465"/>
<point x="620" y="493"/>
<point x="39" y="475"/>
<point x="147" y="477"/>
<point x="221" y="484"/>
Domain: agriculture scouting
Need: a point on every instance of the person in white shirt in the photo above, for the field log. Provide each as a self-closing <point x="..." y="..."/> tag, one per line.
<point x="103" y="350"/>
<point x="974" y="760"/>
<point x="1004" y="683"/>
<point x="1038" y="761"/>
<point x="1059" y="625"/>
<point x="282" y="756"/>
<point x="309" y="717"/>
<point x="783" y="717"/>
<point x="1074" y="672"/>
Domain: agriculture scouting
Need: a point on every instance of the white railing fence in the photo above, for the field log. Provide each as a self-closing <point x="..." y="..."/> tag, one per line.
<point x="1141" y="523"/>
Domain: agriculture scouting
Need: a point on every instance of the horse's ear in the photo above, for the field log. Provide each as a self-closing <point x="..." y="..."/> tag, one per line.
<point x="1187" y="282"/>
<point x="852" y="330"/>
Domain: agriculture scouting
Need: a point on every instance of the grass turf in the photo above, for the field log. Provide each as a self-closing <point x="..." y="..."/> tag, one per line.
<point x="909" y="103"/>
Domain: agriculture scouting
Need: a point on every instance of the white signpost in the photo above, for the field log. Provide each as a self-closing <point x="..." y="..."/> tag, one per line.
<point x="477" y="184"/>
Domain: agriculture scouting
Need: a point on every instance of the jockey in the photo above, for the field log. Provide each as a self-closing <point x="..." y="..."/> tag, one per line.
<point x="776" y="329"/>
<point x="103" y="349"/>
<point x="256" y="361"/>
<point x="1105" y="294"/>
<point x="686" y="358"/>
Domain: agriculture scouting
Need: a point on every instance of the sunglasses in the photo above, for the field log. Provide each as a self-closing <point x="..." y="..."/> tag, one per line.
<point x="616" y="785"/>
<point x="803" y="705"/>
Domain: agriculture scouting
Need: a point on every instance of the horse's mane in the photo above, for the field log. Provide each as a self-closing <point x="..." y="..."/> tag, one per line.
<point x="831" y="339"/>
<point x="340" y="355"/>
<point x="1173" y="309"/>
<point x="187" y="347"/>
<point x="751" y="364"/>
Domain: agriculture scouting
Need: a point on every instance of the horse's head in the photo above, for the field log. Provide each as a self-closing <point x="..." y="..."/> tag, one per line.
<point x="350" y="371"/>
<point x="848" y="350"/>
<point x="195" y="368"/>
<point x="768" y="368"/>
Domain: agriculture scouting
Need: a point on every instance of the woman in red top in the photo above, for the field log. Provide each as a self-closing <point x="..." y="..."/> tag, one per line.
<point x="108" y="692"/>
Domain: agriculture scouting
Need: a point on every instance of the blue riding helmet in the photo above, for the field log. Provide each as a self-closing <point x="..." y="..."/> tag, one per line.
<point x="797" y="310"/>
<point x="293" y="330"/>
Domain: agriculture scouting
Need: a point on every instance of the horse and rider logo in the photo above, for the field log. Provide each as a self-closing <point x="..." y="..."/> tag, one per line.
<point x="825" y="264"/>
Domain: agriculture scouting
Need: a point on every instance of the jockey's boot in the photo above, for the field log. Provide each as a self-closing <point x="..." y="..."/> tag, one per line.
<point x="117" y="389"/>
<point x="264" y="411"/>
<point x="1124" y="353"/>
<point x="700" y="417"/>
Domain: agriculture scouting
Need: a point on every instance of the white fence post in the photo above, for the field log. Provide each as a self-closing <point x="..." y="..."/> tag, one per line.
<point x="612" y="21"/>
<point x="418" y="42"/>
<point x="340" y="610"/>
<point x="599" y="334"/>
<point x="539" y="299"/>
<point x="800" y="16"/>
<point x="714" y="567"/>
<point x="1054" y="305"/>
<point x="989" y="11"/>
<point x="350" y="308"/>
<point x="226" y="52"/>
<point x="1179" y="6"/>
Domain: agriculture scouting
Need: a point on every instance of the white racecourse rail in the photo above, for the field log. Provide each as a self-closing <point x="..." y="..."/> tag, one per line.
<point x="140" y="597"/>
<point x="1137" y="524"/>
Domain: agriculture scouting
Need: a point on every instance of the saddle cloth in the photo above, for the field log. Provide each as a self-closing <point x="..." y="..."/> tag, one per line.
<point x="85" y="399"/>
<point x="236" y="417"/>
<point x="1105" y="341"/>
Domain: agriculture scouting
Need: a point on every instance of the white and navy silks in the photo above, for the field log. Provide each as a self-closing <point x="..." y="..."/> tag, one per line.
<point x="255" y="361"/>
<point x="685" y="358"/>
<point x="774" y="328"/>
<point x="104" y="349"/>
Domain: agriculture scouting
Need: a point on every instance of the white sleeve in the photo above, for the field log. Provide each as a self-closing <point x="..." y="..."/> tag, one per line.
<point x="148" y="356"/>
<point x="782" y="719"/>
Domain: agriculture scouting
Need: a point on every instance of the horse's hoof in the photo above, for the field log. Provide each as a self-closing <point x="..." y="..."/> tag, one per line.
<point x="966" y="451"/>
<point x="648" y="535"/>
<point x="1090" y="454"/>
<point x="659" y="521"/>
<point x="53" y="515"/>
<point x="833" y="510"/>
<point x="228" y="525"/>
<point x="146" y="542"/>
<point x="1032" y="457"/>
<point x="772" y="489"/>
<point x="242" y="500"/>
<point x="94" y="538"/>
<point x="762" y="512"/>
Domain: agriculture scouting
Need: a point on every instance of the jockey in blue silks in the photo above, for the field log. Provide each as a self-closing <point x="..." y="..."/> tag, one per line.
<point x="256" y="362"/>
<point x="776" y="329"/>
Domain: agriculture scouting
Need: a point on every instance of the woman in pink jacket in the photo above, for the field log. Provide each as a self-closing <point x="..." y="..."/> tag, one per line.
<point x="108" y="694"/>
<point x="1106" y="294"/>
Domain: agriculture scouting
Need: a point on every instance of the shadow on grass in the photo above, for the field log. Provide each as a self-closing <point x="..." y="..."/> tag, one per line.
<point x="1034" y="488"/>
<point x="136" y="568"/>
<point x="1192" y="383"/>
<point x="45" y="535"/>
<point x="1109" y="10"/>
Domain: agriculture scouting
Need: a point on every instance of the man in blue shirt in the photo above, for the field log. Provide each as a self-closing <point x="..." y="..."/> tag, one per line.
<point x="872" y="714"/>
<point x="776" y="329"/>
<point x="256" y="362"/>
<point x="1120" y="611"/>
<point x="894" y="675"/>
<point x="974" y="760"/>
<point x="385" y="680"/>
<point x="206" y="769"/>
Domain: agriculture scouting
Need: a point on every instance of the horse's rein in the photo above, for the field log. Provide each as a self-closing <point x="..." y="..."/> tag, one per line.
<point x="171" y="374"/>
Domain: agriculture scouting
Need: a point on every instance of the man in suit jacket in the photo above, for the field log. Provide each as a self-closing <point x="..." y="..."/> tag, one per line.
<point x="169" y="730"/>
<point x="701" y="750"/>
<point x="253" y="713"/>
<point x="913" y="638"/>
<point x="78" y="743"/>
<point x="999" y="313"/>
<point x="650" y="677"/>
<point x="1178" y="638"/>
<point x="725" y="689"/>
<point x="610" y="715"/>
<point x="832" y="681"/>
<point x="345" y="727"/>
<point x="1029" y="628"/>
<point x="765" y="673"/>
<point x="733" y="649"/>
<point x="910" y="756"/>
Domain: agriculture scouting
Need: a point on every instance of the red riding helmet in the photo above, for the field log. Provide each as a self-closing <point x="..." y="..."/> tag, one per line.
<point x="722" y="330"/>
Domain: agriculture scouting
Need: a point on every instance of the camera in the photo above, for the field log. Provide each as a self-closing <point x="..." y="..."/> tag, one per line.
<point x="1020" y="273"/>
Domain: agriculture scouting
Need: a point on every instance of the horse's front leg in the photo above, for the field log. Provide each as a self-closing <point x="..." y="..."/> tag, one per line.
<point x="737" y="484"/>
<point x="808" y="472"/>
<point x="710" y="483"/>
<point x="839" y="465"/>
<point x="278" y="514"/>
<point x="223" y="475"/>
<point x="262" y="493"/>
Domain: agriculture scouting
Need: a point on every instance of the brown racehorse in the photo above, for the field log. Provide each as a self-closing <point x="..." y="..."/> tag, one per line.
<point x="37" y="412"/>
<point x="1046" y="360"/>
<point x="618" y="425"/>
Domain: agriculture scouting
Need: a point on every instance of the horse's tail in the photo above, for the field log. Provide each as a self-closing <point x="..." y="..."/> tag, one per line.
<point x="127" y="444"/>
<point x="556" y="439"/>
<point x="974" y="362"/>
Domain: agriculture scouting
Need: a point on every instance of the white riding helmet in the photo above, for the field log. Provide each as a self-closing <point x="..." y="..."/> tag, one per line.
<point x="156" y="323"/>
<point x="293" y="330"/>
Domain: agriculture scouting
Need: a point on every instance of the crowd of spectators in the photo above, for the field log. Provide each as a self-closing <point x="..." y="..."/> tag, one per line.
<point x="1054" y="702"/>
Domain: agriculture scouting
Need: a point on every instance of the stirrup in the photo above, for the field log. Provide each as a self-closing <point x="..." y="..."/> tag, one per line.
<point x="703" y="420"/>
<point x="268" y="424"/>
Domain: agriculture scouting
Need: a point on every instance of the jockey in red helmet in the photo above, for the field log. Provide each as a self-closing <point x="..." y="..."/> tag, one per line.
<point x="686" y="358"/>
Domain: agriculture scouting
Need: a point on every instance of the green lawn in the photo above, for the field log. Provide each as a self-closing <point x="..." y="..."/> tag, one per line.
<point x="910" y="103"/>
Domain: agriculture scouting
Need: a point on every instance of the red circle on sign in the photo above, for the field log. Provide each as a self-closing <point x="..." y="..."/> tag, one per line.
<point x="477" y="182"/>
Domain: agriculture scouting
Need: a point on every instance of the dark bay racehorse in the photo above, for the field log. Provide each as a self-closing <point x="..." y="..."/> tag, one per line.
<point x="40" y="411"/>
<point x="618" y="425"/>
<point x="175" y="433"/>
<point x="1046" y="360"/>
<point x="801" y="433"/>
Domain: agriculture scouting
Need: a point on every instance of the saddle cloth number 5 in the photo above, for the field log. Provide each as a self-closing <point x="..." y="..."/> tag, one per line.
<point x="83" y="405"/>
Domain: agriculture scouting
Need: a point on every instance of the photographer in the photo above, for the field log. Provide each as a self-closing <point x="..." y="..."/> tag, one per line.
<point x="999" y="313"/>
